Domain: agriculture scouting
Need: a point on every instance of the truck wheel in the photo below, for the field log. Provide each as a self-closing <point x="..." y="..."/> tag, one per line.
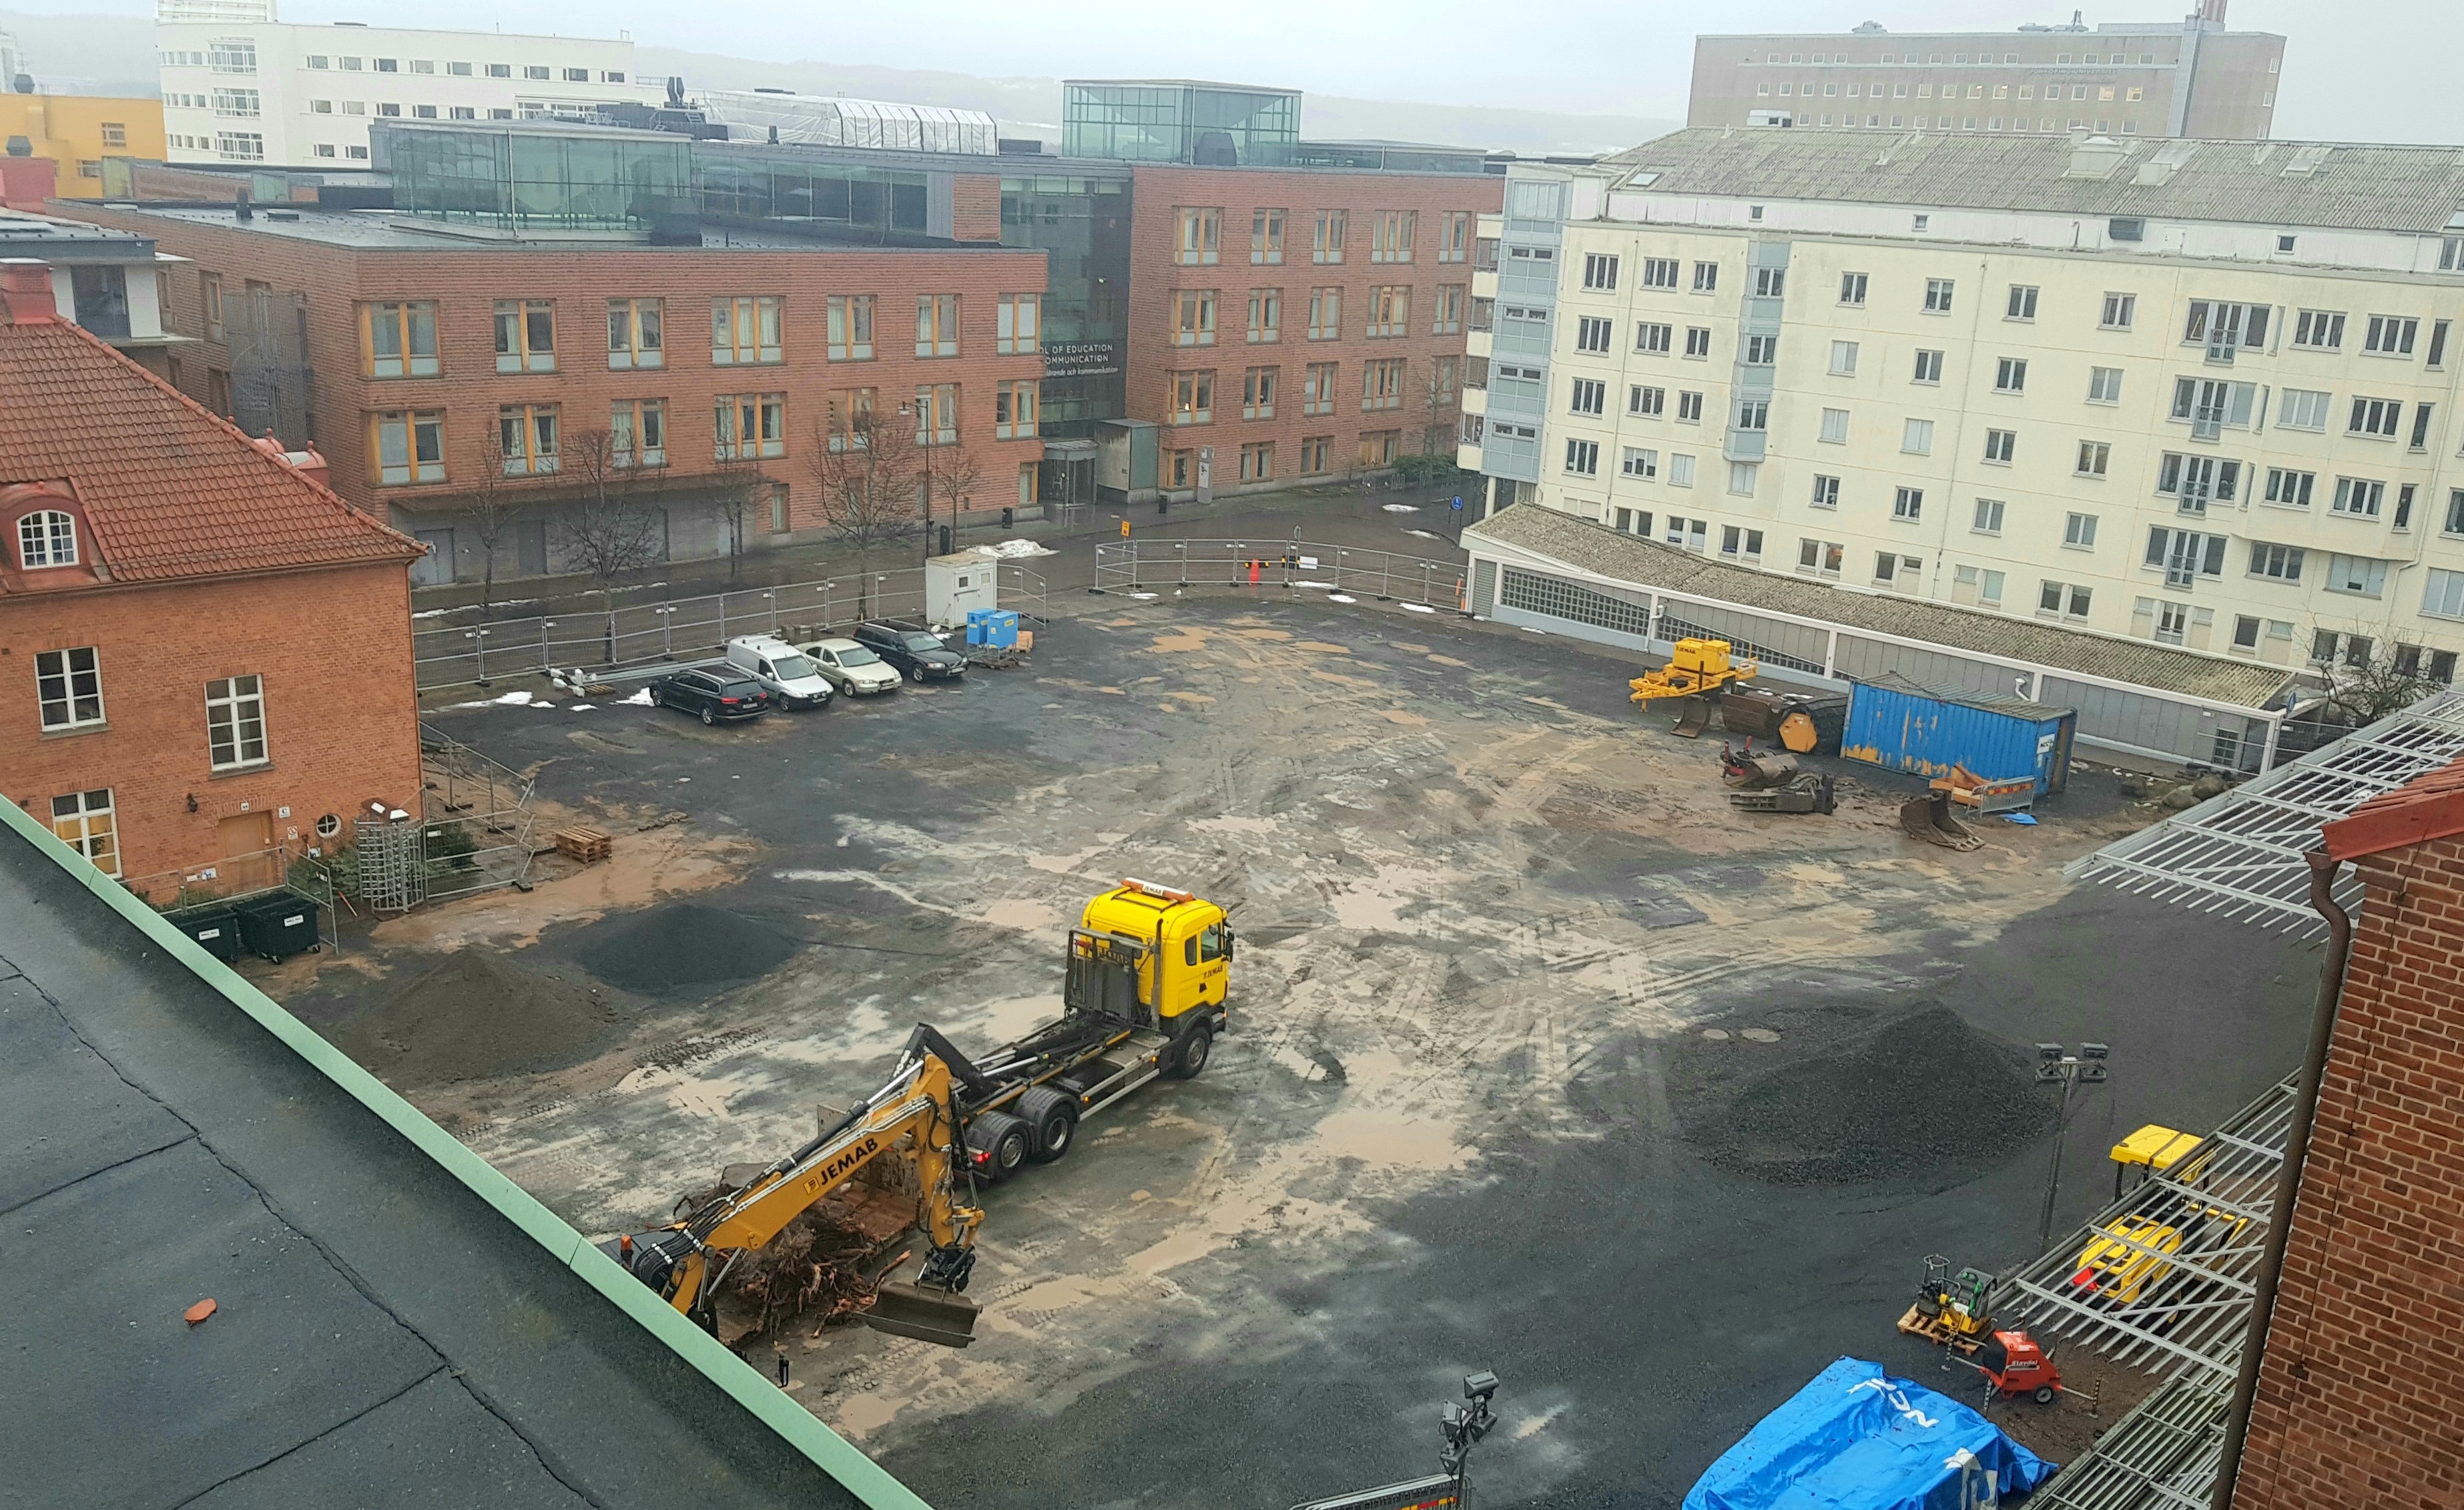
<point x="1188" y="1052"/>
<point x="1051" y="1118"/>
<point x="1003" y="1137"/>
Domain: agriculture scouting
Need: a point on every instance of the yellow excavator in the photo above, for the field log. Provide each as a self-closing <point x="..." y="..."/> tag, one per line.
<point x="1696" y="669"/>
<point x="914" y="1116"/>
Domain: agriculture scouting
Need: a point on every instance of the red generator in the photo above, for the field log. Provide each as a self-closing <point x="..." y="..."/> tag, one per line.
<point x="2015" y="1365"/>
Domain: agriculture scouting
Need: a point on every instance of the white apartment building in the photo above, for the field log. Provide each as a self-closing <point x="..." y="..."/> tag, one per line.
<point x="2199" y="394"/>
<point x="241" y="86"/>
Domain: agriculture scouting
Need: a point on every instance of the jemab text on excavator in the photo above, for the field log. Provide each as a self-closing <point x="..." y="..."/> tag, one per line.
<point x="1143" y="998"/>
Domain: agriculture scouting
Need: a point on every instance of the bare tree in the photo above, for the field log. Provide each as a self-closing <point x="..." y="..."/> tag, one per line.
<point x="950" y="473"/>
<point x="602" y="531"/>
<point x="870" y="474"/>
<point x="1440" y="395"/>
<point x="2373" y="676"/>
<point x="493" y="508"/>
<point x="740" y="490"/>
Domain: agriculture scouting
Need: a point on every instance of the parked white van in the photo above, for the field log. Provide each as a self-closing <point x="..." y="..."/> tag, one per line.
<point x="784" y="672"/>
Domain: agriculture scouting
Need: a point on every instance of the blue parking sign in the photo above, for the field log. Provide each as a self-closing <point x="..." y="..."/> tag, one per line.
<point x="1458" y="504"/>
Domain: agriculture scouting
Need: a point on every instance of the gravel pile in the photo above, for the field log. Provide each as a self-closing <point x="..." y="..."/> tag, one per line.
<point x="478" y="1015"/>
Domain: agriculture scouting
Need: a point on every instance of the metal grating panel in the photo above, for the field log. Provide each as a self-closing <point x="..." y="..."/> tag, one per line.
<point x="2240" y="854"/>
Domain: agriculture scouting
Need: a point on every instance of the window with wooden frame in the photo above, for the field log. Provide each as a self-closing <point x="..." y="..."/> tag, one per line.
<point x="525" y="335"/>
<point x="1453" y="236"/>
<point x="1390" y="310"/>
<point x="1381" y="383"/>
<point x="1325" y="313"/>
<point x="1328" y="244"/>
<point x="1317" y="455"/>
<point x="406" y="447"/>
<point x="637" y="432"/>
<point x="209" y="299"/>
<point x="528" y="436"/>
<point x="937" y="324"/>
<point x="1017" y="325"/>
<point x="1193" y="398"/>
<point x="84" y="822"/>
<point x="1391" y="231"/>
<point x="1201" y="231"/>
<point x="1266" y="238"/>
<point x="850" y="417"/>
<point x="1193" y="318"/>
<point x="936" y="414"/>
<point x="1265" y="315"/>
<point x="1449" y="305"/>
<point x="749" y="426"/>
<point x="398" y="340"/>
<point x="746" y="332"/>
<point x="1014" y="407"/>
<point x="850" y="327"/>
<point x="1258" y="392"/>
<point x="235" y="722"/>
<point x="1317" y="387"/>
<point x="1380" y="448"/>
<point x="636" y="334"/>
<point x="1257" y="461"/>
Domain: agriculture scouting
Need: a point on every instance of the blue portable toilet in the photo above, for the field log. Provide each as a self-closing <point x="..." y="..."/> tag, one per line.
<point x="1902" y="725"/>
<point x="995" y="628"/>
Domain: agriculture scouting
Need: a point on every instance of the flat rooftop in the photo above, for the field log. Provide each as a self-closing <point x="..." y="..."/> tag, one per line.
<point x="396" y="1324"/>
<point x="388" y="230"/>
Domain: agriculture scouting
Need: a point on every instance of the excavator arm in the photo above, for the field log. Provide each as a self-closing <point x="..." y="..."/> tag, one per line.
<point x="915" y="1111"/>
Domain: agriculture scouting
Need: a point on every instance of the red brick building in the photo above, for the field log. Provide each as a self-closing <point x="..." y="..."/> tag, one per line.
<point x="1299" y="322"/>
<point x="2361" y="1390"/>
<point x="205" y="655"/>
<point x="704" y="372"/>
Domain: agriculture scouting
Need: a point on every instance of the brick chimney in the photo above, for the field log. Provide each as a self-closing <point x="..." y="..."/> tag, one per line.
<point x="26" y="292"/>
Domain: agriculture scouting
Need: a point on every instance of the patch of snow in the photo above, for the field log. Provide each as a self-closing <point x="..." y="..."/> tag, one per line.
<point x="514" y="699"/>
<point x="641" y="698"/>
<point x="584" y="707"/>
<point x="1529" y="629"/>
<point x="481" y="703"/>
<point x="1418" y="607"/>
<point x="1423" y="534"/>
<point x="1010" y="550"/>
<point x="1400" y="508"/>
<point x="434" y="613"/>
<point x="1144" y="597"/>
<point x="1328" y="586"/>
<point x="1337" y="597"/>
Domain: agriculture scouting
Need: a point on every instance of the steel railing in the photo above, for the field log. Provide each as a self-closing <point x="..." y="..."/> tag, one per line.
<point x="1132" y="566"/>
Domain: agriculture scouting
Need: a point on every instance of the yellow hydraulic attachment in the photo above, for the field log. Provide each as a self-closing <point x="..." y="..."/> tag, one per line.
<point x="1699" y="666"/>
<point x="914" y="1116"/>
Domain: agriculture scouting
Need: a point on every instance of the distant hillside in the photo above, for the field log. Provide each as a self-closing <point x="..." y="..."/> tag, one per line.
<point x="1032" y="106"/>
<point x="114" y="55"/>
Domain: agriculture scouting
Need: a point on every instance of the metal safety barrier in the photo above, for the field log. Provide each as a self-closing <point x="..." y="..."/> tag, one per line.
<point x="1134" y="566"/>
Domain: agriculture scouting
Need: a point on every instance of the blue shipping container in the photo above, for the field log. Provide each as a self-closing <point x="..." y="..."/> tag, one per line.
<point x="1904" y="725"/>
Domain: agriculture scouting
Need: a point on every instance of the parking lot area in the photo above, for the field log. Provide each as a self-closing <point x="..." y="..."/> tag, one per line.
<point x="1542" y="1059"/>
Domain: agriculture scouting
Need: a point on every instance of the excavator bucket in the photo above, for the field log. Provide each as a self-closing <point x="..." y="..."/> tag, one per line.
<point x="1928" y="818"/>
<point x="932" y="1316"/>
<point x="1693" y="717"/>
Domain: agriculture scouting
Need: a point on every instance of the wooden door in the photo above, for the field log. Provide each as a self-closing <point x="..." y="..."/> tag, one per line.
<point x="246" y="865"/>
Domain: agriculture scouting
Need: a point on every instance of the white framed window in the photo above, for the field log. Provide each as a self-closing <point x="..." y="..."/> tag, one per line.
<point x="1741" y="479"/>
<point x="1599" y="270"/>
<point x="1739" y="542"/>
<point x="1697" y="342"/>
<point x="84" y="822"/>
<point x="1681" y="469"/>
<point x="2290" y="488"/>
<point x="47" y="538"/>
<point x="1592" y="335"/>
<point x="68" y="688"/>
<point x="2443" y="597"/>
<point x="1654" y="338"/>
<point x="1928" y="367"/>
<point x="1589" y="396"/>
<point x="2381" y="417"/>
<point x="2095" y="457"/>
<point x="1977" y="585"/>
<point x="1988" y="520"/>
<point x="1826" y="491"/>
<point x="1646" y="400"/>
<point x="1916" y="438"/>
<point x="1583" y="457"/>
<point x="2000" y="446"/>
<point x="1835" y="427"/>
<point x="1938" y="294"/>
<point x="2079" y="532"/>
<point x="2358" y="497"/>
<point x="2358" y="575"/>
<point x="1762" y="351"/>
<point x="235" y="721"/>
<point x="2010" y="375"/>
<point x="1659" y="272"/>
<point x="1689" y="407"/>
<point x="2120" y="310"/>
<point x="2276" y="563"/>
<point x="1753" y="414"/>
<point x="1843" y="359"/>
<point x="2063" y="600"/>
<point x="1852" y="290"/>
<point x="2303" y="408"/>
<point x="2390" y="335"/>
<point x="2104" y="385"/>
<point x="1907" y="506"/>
<point x="2319" y="329"/>
<point x="1642" y="464"/>
<point x="2022" y="304"/>
<point x="1891" y="569"/>
<point x="1824" y="557"/>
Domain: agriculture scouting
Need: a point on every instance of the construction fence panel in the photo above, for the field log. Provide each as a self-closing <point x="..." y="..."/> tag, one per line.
<point x="1390" y="576"/>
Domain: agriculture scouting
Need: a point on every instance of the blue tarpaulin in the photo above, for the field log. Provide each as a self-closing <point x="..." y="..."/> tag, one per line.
<point x="1858" y="1440"/>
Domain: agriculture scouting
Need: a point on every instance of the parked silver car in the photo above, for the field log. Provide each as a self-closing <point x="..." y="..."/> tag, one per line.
<point x="850" y="667"/>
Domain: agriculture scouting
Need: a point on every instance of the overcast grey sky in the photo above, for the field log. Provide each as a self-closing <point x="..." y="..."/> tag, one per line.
<point x="2382" y="72"/>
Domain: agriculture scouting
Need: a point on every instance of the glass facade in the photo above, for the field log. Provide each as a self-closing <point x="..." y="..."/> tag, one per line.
<point x="1180" y="122"/>
<point x="515" y="181"/>
<point x="1082" y="224"/>
<point x="796" y="189"/>
<point x="1389" y="156"/>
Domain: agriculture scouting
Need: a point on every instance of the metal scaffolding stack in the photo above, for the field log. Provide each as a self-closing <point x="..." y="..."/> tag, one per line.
<point x="2239" y="854"/>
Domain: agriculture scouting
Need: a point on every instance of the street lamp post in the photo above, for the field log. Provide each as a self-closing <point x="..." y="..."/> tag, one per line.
<point x="2057" y="1063"/>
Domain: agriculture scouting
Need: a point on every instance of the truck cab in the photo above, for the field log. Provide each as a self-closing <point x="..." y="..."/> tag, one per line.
<point x="1158" y="956"/>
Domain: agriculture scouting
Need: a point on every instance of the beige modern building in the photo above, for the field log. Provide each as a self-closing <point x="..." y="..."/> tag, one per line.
<point x="2196" y="393"/>
<point x="2187" y="77"/>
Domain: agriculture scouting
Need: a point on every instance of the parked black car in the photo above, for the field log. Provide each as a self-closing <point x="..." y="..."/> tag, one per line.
<point x="915" y="650"/>
<point x="720" y="697"/>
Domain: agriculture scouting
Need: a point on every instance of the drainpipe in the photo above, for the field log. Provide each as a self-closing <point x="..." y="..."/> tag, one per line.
<point x="2288" y="1181"/>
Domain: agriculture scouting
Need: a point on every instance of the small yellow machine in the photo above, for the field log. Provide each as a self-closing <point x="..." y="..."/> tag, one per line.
<point x="1699" y="668"/>
<point x="1954" y="1308"/>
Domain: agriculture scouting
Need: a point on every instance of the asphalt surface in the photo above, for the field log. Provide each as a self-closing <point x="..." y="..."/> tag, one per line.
<point x="1470" y="1116"/>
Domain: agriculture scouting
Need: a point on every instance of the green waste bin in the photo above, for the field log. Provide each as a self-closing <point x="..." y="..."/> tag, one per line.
<point x="278" y="924"/>
<point x="214" y="928"/>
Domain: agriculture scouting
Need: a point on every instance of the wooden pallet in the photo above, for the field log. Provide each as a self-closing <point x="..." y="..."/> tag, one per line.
<point x="587" y="845"/>
<point x="1931" y="1329"/>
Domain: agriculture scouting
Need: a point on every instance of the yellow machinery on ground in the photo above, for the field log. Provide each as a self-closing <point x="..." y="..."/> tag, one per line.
<point x="914" y="1115"/>
<point x="1952" y="1308"/>
<point x="2152" y="1148"/>
<point x="1697" y="669"/>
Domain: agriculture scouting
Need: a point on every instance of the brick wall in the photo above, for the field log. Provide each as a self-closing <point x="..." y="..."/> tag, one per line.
<point x="2361" y="1394"/>
<point x="465" y="282"/>
<point x="1156" y="277"/>
<point x="341" y="718"/>
<point x="975" y="208"/>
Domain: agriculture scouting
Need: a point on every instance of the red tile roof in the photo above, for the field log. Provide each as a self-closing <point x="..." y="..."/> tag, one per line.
<point x="171" y="489"/>
<point x="2429" y="807"/>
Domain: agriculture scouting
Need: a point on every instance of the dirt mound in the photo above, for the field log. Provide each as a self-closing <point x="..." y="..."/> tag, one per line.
<point x="475" y="1015"/>
<point x="687" y="944"/>
<point x="1925" y="1097"/>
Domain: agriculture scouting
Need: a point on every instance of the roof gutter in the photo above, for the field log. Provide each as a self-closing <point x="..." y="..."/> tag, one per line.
<point x="2288" y="1182"/>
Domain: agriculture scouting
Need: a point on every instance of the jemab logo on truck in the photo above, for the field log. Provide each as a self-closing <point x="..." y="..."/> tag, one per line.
<point x="846" y="1160"/>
